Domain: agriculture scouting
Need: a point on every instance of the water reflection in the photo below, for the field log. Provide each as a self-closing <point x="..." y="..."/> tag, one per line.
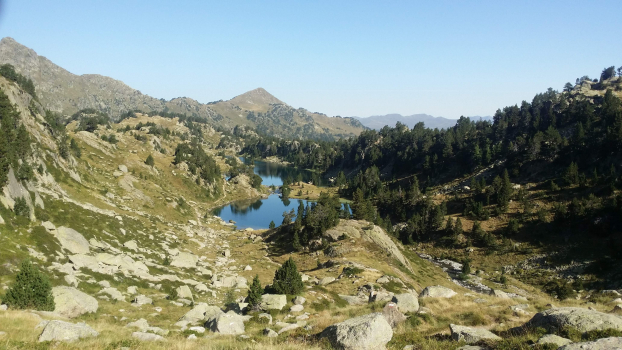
<point x="275" y="174"/>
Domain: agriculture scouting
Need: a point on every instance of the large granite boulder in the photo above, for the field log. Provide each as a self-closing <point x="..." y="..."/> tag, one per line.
<point x="393" y="315"/>
<point x="185" y="260"/>
<point x="470" y="334"/>
<point x="553" y="339"/>
<point x="199" y="313"/>
<point x="407" y="302"/>
<point x="71" y="302"/>
<point x="72" y="240"/>
<point x="612" y="343"/>
<point x="368" y="332"/>
<point x="437" y="292"/>
<point x="64" y="331"/>
<point x="581" y="319"/>
<point x="227" y="323"/>
<point x="184" y="292"/>
<point x="273" y="301"/>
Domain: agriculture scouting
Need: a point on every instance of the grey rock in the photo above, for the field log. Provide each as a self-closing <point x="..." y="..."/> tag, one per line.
<point x="185" y="260"/>
<point x="437" y="292"/>
<point x="393" y="315"/>
<point x="265" y="316"/>
<point x="71" y="302"/>
<point x="354" y="300"/>
<point x="113" y="293"/>
<point x="144" y="336"/>
<point x="200" y="313"/>
<point x="368" y="332"/>
<point x="184" y="292"/>
<point x="227" y="323"/>
<point x="64" y="331"/>
<point x="299" y="300"/>
<point x="270" y="333"/>
<point x="406" y="302"/>
<point x="554" y="339"/>
<point x="581" y="319"/>
<point x="471" y="347"/>
<point x="141" y="300"/>
<point x="72" y="240"/>
<point x="613" y="343"/>
<point x="471" y="334"/>
<point x="273" y="301"/>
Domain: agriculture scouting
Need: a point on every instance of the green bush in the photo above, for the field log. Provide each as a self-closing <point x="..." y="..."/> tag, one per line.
<point x="149" y="161"/>
<point x="351" y="270"/>
<point x="21" y="208"/>
<point x="31" y="290"/>
<point x="287" y="280"/>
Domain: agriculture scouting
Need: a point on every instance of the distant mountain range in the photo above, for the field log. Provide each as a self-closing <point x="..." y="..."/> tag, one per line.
<point x="62" y="91"/>
<point x="379" y="121"/>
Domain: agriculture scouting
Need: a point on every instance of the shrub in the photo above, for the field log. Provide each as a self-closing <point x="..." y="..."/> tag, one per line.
<point x="287" y="280"/>
<point x="254" y="293"/>
<point x="32" y="290"/>
<point x="21" y="208"/>
<point x="351" y="270"/>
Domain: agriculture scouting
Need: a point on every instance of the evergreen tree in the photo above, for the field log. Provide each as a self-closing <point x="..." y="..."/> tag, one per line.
<point x="31" y="290"/>
<point x="272" y="224"/>
<point x="287" y="280"/>
<point x="254" y="294"/>
<point x="296" y="242"/>
<point x="572" y="174"/>
<point x="449" y="226"/>
<point x="458" y="227"/>
<point x="150" y="161"/>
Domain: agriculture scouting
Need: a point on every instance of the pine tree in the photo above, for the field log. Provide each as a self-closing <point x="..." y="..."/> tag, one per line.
<point x="449" y="226"/>
<point x="572" y="174"/>
<point x="254" y="294"/>
<point x="272" y="224"/>
<point x="287" y="280"/>
<point x="150" y="161"/>
<point x="31" y="290"/>
<point x="458" y="227"/>
<point x="296" y="242"/>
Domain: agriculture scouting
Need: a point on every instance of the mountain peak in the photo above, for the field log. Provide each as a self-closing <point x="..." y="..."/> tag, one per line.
<point x="258" y="96"/>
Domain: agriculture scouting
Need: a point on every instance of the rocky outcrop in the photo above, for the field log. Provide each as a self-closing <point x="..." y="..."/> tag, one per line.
<point x="406" y="302"/>
<point x="581" y="319"/>
<point x="437" y="292"/>
<point x="65" y="331"/>
<point x="471" y="334"/>
<point x="185" y="260"/>
<point x="273" y="301"/>
<point x="71" y="302"/>
<point x="368" y="332"/>
<point x="72" y="240"/>
<point x="612" y="343"/>
<point x="553" y="339"/>
<point x="199" y="314"/>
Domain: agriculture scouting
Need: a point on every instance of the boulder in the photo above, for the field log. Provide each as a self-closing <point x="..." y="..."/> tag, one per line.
<point x="123" y="168"/>
<point x="612" y="343"/>
<point x="554" y="339"/>
<point x="131" y="245"/>
<point x="581" y="319"/>
<point x="199" y="313"/>
<point x="141" y="300"/>
<point x="270" y="333"/>
<point x="393" y="315"/>
<point x="227" y="323"/>
<point x="113" y="293"/>
<point x="471" y="347"/>
<point x="273" y="301"/>
<point x="407" y="302"/>
<point x="143" y="336"/>
<point x="185" y="260"/>
<point x="131" y="290"/>
<point x="266" y="316"/>
<point x="184" y="292"/>
<point x="437" y="292"/>
<point x="470" y="334"/>
<point x="296" y="308"/>
<point x="368" y="332"/>
<point x="71" y="302"/>
<point x="299" y="300"/>
<point x="72" y="240"/>
<point x="354" y="299"/>
<point x="326" y="280"/>
<point x="64" y="331"/>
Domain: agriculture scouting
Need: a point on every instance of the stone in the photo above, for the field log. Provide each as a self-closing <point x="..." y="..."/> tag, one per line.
<point x="581" y="319"/>
<point x="286" y="327"/>
<point x="227" y="323"/>
<point x="554" y="339"/>
<point x="3" y="307"/>
<point x="72" y="240"/>
<point x="393" y="315"/>
<point x="437" y="292"/>
<point x="199" y="313"/>
<point x="184" y="292"/>
<point x="71" y="302"/>
<point x="141" y="324"/>
<point x="192" y="337"/>
<point x="197" y="329"/>
<point x="226" y="253"/>
<point x="123" y="168"/>
<point x="143" y="336"/>
<point x="185" y="260"/>
<point x="248" y="268"/>
<point x="202" y="288"/>
<point x="406" y="302"/>
<point x="131" y="245"/>
<point x="299" y="300"/>
<point x="612" y="343"/>
<point x="141" y="300"/>
<point x="384" y="279"/>
<point x="499" y="294"/>
<point x="354" y="300"/>
<point x="132" y="290"/>
<point x="471" y="334"/>
<point x="296" y="308"/>
<point x="273" y="301"/>
<point x="367" y="332"/>
<point x="270" y="333"/>
<point x="113" y="293"/>
<point x="104" y="284"/>
<point x="326" y="280"/>
<point x="64" y="331"/>
<point x="471" y="347"/>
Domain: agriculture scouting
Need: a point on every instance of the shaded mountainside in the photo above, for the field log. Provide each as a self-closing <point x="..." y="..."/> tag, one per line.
<point x="377" y="122"/>
<point x="61" y="91"/>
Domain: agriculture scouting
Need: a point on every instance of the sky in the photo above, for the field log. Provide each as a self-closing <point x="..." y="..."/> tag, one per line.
<point x="347" y="58"/>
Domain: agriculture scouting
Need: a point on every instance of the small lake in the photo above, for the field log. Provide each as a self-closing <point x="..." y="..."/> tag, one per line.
<point x="258" y="213"/>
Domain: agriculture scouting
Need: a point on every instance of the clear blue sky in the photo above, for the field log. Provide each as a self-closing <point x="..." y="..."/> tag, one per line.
<point x="445" y="58"/>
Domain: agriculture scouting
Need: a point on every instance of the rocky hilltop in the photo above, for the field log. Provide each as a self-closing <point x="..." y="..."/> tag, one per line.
<point x="61" y="91"/>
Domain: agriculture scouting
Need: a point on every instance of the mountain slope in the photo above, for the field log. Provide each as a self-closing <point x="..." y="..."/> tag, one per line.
<point x="377" y="122"/>
<point x="61" y="91"/>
